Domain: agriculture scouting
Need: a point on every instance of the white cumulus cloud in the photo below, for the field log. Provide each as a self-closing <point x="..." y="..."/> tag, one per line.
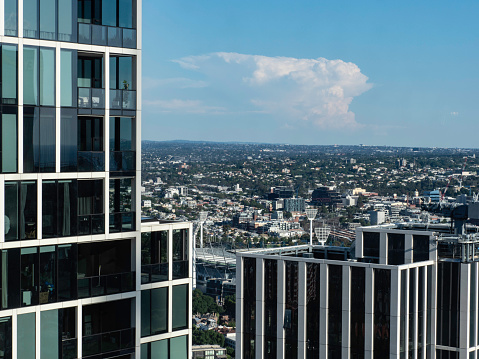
<point x="319" y="90"/>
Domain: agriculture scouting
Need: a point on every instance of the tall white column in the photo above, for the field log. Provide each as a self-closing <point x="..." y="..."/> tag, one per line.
<point x="323" y="311"/>
<point x="369" y="314"/>
<point x="395" y="326"/>
<point x="302" y="290"/>
<point x="383" y="248"/>
<point x="346" y="313"/>
<point x="259" y="339"/>
<point x="239" y="306"/>
<point x="464" y="298"/>
<point x="408" y="248"/>
<point x="280" y="310"/>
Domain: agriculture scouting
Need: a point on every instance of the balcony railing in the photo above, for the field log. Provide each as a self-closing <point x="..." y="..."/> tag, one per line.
<point x="122" y="222"/>
<point x="91" y="224"/>
<point x="180" y="269"/>
<point x="91" y="161"/>
<point x="123" y="161"/>
<point x="123" y="99"/>
<point x="91" y="98"/>
<point x="69" y="348"/>
<point x="151" y="273"/>
<point x="108" y="342"/>
<point x="106" y="36"/>
<point x="106" y="284"/>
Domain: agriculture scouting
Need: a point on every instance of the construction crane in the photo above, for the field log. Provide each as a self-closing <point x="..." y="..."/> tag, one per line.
<point x="445" y="189"/>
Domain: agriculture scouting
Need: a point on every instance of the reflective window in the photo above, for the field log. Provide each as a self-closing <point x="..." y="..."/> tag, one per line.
<point x="38" y="139"/>
<point x="68" y="140"/>
<point x="109" y="12"/>
<point x="121" y="216"/>
<point x="103" y="327"/>
<point x="249" y="304"/>
<point x="371" y="247"/>
<point x="11" y="17"/>
<point x="29" y="267"/>
<point x="68" y="72"/>
<point x="154" y="311"/>
<point x="47" y="77"/>
<point x="47" y="19"/>
<point x="67" y="271"/>
<point x="122" y="150"/>
<point x="30" y="19"/>
<point x="313" y="286"/>
<point x="382" y="312"/>
<point x="68" y="329"/>
<point x="49" y="334"/>
<point x="180" y="253"/>
<point x="30" y="75"/>
<point x="291" y="310"/>
<point x="396" y="243"/>
<point x="90" y="71"/>
<point x="59" y="208"/>
<point x="154" y="256"/>
<point x="420" y="246"/>
<point x="178" y="348"/>
<point x="8" y="135"/>
<point x="6" y="335"/>
<point x="48" y="275"/>
<point x="335" y="290"/>
<point x="91" y="157"/>
<point x="9" y="74"/>
<point x="180" y="307"/>
<point x="55" y="20"/>
<point x="20" y="210"/>
<point x="10" y="283"/>
<point x="448" y="304"/>
<point x="26" y="336"/>
<point x="90" y="207"/>
<point x="121" y="73"/>
<point x="67" y="21"/>
<point x="38" y="76"/>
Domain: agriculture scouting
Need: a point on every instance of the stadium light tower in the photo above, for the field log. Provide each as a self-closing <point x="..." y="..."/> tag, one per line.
<point x="203" y="216"/>
<point x="322" y="234"/>
<point x="311" y="214"/>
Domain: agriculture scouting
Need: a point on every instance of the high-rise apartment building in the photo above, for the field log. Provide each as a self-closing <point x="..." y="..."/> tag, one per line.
<point x="401" y="291"/>
<point x="77" y="277"/>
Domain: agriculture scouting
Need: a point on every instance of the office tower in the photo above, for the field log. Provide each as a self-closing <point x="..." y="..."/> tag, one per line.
<point x="70" y="263"/>
<point x="400" y="291"/>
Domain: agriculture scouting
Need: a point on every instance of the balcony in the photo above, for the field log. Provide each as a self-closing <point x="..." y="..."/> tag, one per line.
<point x="152" y="273"/>
<point x="106" y="284"/>
<point x="122" y="222"/>
<point x="69" y="348"/>
<point x="122" y="161"/>
<point x="122" y="101"/>
<point x="91" y="161"/>
<point x="180" y="269"/>
<point x="121" y="341"/>
<point x="106" y="36"/>
<point x="91" y="224"/>
<point x="91" y="100"/>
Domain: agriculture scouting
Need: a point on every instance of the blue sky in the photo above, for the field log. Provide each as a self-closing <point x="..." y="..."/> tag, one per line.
<point x="312" y="72"/>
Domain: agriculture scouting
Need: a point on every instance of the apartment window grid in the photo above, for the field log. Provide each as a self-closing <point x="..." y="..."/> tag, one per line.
<point x="411" y="283"/>
<point x="57" y="247"/>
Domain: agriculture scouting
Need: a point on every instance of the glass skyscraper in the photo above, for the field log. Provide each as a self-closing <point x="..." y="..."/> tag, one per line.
<point x="77" y="277"/>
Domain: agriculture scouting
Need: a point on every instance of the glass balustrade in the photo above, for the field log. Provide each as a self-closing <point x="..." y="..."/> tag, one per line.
<point x="91" y="98"/>
<point x="106" y="284"/>
<point x="92" y="34"/>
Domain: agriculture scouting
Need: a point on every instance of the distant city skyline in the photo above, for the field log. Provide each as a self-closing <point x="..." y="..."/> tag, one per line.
<point x="373" y="73"/>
